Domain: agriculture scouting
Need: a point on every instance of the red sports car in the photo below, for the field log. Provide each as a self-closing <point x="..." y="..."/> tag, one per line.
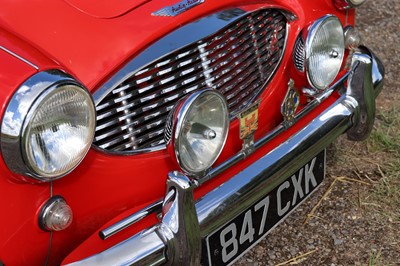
<point x="177" y="132"/>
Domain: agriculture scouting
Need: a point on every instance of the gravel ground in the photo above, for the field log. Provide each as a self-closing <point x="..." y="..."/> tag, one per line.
<point x="345" y="229"/>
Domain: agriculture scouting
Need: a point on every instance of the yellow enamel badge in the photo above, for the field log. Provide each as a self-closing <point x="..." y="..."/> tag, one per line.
<point x="249" y="121"/>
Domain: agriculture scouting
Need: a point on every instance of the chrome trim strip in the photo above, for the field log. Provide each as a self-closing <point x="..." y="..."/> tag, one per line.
<point x="19" y="57"/>
<point x="128" y="221"/>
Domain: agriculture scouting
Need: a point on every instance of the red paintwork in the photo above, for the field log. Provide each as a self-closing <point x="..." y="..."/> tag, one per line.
<point x="105" y="9"/>
<point x="104" y="188"/>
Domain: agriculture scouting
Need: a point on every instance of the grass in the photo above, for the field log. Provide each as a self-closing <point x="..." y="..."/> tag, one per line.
<point x="385" y="140"/>
<point x="375" y="258"/>
<point x="383" y="200"/>
<point x="386" y="137"/>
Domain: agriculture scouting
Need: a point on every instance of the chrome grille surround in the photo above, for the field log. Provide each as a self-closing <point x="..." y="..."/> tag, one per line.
<point x="237" y="58"/>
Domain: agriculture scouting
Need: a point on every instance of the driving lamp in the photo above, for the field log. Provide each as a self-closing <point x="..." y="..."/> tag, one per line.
<point x="324" y="51"/>
<point x="196" y="131"/>
<point x="352" y="38"/>
<point x="48" y="126"/>
<point x="346" y="4"/>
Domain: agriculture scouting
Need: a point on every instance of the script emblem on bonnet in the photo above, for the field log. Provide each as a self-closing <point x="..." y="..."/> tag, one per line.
<point x="177" y="8"/>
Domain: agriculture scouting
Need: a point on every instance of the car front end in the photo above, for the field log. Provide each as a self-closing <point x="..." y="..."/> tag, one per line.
<point x="176" y="132"/>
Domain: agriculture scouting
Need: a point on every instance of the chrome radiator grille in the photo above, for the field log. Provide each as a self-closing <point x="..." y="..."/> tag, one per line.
<point x="238" y="60"/>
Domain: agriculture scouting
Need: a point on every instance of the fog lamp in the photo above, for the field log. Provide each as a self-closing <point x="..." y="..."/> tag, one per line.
<point x="196" y="131"/>
<point x="324" y="51"/>
<point x="55" y="215"/>
<point x="352" y="38"/>
<point x="346" y="4"/>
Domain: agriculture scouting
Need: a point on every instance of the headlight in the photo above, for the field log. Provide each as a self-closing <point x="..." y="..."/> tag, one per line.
<point x="324" y="51"/>
<point x="48" y="126"/>
<point x="197" y="131"/>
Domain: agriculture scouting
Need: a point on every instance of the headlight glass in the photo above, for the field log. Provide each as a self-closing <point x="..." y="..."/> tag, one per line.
<point x="58" y="130"/>
<point x="47" y="127"/>
<point x="324" y="51"/>
<point x="201" y="131"/>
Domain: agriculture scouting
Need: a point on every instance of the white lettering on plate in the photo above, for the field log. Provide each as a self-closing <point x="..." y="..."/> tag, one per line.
<point x="230" y="232"/>
<point x="247" y="232"/>
<point x="310" y="176"/>
<point x="282" y="210"/>
<point x="229" y="237"/>
<point x="308" y="173"/>
<point x="298" y="190"/>
<point x="264" y="203"/>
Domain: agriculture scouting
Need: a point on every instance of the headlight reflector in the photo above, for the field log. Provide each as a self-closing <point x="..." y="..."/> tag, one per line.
<point x="48" y="126"/>
<point x="200" y="127"/>
<point x="324" y="51"/>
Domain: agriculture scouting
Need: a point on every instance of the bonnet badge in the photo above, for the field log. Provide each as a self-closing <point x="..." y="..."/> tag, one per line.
<point x="248" y="124"/>
<point x="290" y="103"/>
<point x="177" y="8"/>
<point x="249" y="121"/>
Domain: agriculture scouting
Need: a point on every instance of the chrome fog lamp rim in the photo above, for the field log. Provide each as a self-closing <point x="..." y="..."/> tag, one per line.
<point x="346" y="4"/>
<point x="22" y="107"/>
<point x="177" y="124"/>
<point x="310" y="37"/>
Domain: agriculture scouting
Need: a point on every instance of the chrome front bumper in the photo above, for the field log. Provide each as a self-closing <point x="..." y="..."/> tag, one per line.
<point x="177" y="239"/>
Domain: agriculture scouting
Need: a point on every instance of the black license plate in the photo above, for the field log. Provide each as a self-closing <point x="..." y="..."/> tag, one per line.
<point x="233" y="239"/>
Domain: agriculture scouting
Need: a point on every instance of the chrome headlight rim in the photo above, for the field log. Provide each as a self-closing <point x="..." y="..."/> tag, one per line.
<point x="175" y="125"/>
<point x="309" y="39"/>
<point x="19" y="112"/>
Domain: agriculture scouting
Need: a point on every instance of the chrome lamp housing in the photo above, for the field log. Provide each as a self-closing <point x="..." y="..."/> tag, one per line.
<point x="48" y="126"/>
<point x="196" y="131"/>
<point x="324" y="51"/>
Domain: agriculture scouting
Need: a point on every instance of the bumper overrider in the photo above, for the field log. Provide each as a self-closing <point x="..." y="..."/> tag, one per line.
<point x="177" y="239"/>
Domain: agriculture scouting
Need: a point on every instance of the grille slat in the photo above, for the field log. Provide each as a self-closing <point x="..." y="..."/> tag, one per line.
<point x="238" y="60"/>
